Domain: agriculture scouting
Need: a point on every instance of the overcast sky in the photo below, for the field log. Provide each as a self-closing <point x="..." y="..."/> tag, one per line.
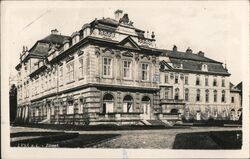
<point x="216" y="28"/>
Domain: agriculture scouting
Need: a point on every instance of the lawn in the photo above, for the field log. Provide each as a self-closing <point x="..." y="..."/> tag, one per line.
<point x="209" y="140"/>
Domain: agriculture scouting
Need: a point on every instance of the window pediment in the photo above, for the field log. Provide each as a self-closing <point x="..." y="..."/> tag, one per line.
<point x="127" y="53"/>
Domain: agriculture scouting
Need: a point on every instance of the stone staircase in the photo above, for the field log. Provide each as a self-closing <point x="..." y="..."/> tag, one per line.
<point x="156" y="122"/>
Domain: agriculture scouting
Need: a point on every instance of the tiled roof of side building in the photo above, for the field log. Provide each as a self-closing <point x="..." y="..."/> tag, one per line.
<point x="188" y="56"/>
<point x="196" y="65"/>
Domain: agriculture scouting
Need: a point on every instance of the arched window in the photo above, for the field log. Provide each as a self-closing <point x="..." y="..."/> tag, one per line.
<point x="198" y="80"/>
<point x="207" y="95"/>
<point x="223" y="98"/>
<point x="176" y="96"/>
<point x="198" y="95"/>
<point x="174" y="111"/>
<point x="108" y="104"/>
<point x="127" y="104"/>
<point x="215" y="82"/>
<point x="186" y="94"/>
<point x="146" y="105"/>
<point x="215" y="96"/>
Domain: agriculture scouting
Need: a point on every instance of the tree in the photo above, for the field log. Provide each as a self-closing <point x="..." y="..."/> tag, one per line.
<point x="13" y="102"/>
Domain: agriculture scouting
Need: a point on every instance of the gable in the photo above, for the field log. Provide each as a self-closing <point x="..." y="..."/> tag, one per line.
<point x="129" y="43"/>
<point x="165" y="66"/>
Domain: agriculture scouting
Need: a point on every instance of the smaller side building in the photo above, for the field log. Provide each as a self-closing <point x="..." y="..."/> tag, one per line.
<point x="236" y="101"/>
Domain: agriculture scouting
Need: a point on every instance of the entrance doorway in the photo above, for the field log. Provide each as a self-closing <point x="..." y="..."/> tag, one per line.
<point x="146" y="107"/>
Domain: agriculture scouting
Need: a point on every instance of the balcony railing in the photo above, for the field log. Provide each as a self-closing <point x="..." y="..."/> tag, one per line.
<point x="172" y="101"/>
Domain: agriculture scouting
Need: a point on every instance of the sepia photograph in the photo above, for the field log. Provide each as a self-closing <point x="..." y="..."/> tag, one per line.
<point x="125" y="79"/>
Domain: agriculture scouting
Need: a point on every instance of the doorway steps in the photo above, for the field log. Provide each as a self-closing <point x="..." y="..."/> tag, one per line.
<point x="156" y="122"/>
<point x="45" y="121"/>
<point x="145" y="122"/>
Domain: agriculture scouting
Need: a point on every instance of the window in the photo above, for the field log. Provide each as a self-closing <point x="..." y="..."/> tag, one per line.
<point x="70" y="107"/>
<point x="81" y="68"/>
<point x="176" y="79"/>
<point x="223" y="96"/>
<point x="107" y="66"/>
<point x="108" y="104"/>
<point x="61" y="108"/>
<point x="186" y="80"/>
<point x="128" y="104"/>
<point x="166" y="78"/>
<point x="145" y="71"/>
<point x="166" y="93"/>
<point x="232" y="100"/>
<point x="223" y="82"/>
<point x="198" y="95"/>
<point x="127" y="69"/>
<point x="61" y="75"/>
<point x="206" y="81"/>
<point x="197" y="80"/>
<point x="70" y="71"/>
<point x="215" y="82"/>
<point x="176" y="96"/>
<point x="186" y="94"/>
<point x="207" y="95"/>
<point x="80" y="109"/>
<point x="215" y="96"/>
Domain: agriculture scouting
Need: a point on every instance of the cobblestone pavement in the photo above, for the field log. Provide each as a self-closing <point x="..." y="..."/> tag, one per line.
<point x="161" y="138"/>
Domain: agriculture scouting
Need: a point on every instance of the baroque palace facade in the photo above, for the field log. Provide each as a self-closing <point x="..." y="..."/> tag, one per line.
<point x="111" y="71"/>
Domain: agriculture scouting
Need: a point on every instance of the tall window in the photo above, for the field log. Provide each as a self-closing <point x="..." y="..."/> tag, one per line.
<point x="215" y="96"/>
<point x="207" y="95"/>
<point x="61" y="75"/>
<point x="176" y="79"/>
<point x="186" y="94"/>
<point x="176" y="96"/>
<point x="223" y="96"/>
<point x="223" y="82"/>
<point x="186" y="80"/>
<point x="197" y="80"/>
<point x="107" y="66"/>
<point x="232" y="100"/>
<point x="166" y="93"/>
<point x="198" y="95"/>
<point x="145" y="71"/>
<point x="206" y="81"/>
<point x="80" y="67"/>
<point x="166" y="78"/>
<point x="127" y="69"/>
<point x="128" y="104"/>
<point x="70" y="107"/>
<point x="215" y="82"/>
<point x="70" y="71"/>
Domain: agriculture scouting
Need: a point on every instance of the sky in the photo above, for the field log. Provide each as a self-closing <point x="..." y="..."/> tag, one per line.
<point x="217" y="28"/>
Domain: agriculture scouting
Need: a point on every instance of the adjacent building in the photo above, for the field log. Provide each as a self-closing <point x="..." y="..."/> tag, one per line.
<point x="113" y="72"/>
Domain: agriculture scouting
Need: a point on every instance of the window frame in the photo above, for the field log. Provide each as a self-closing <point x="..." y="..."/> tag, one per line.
<point x="147" y="71"/>
<point x="109" y="67"/>
<point x="129" y="69"/>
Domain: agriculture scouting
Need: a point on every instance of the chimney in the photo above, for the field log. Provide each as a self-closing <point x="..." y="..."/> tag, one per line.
<point x="118" y="14"/>
<point x="175" y="48"/>
<point x="200" y="53"/>
<point x="54" y="32"/>
<point x="189" y="50"/>
<point x="153" y="35"/>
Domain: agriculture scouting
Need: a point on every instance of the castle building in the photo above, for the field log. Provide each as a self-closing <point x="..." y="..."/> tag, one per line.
<point x="112" y="72"/>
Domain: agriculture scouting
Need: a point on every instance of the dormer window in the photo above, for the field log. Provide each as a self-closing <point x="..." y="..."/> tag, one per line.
<point x="66" y="45"/>
<point x="75" y="37"/>
<point x="204" y="67"/>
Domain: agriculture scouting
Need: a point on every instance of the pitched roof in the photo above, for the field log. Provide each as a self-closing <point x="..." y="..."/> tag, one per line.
<point x="197" y="65"/>
<point x="188" y="56"/>
<point x="41" y="47"/>
<point x="54" y="38"/>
